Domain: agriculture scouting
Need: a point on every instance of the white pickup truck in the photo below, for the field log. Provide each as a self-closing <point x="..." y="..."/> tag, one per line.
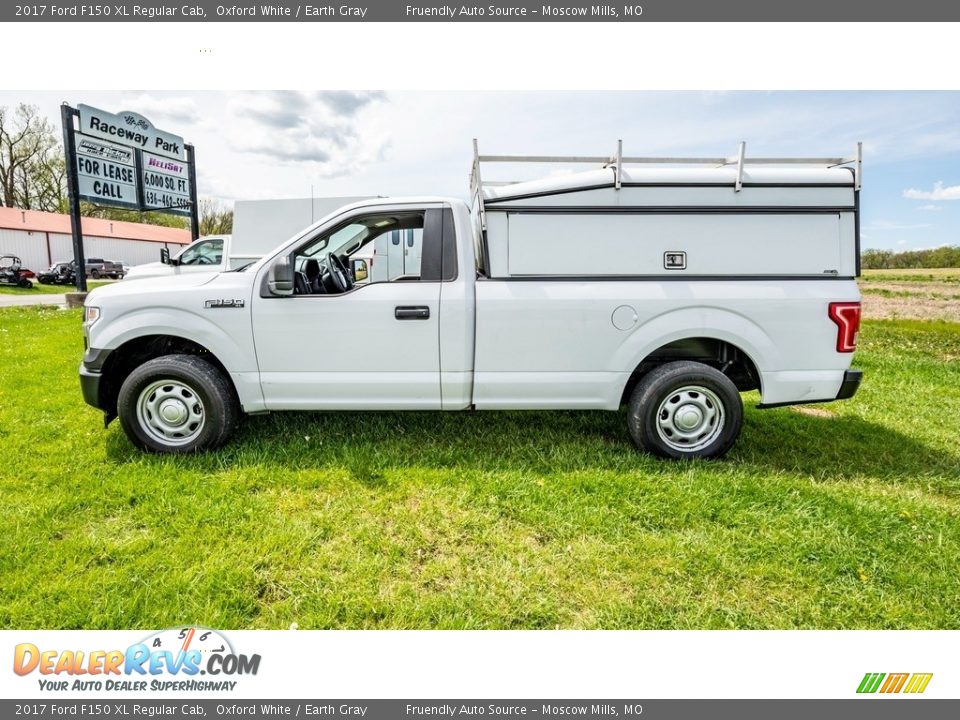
<point x="668" y="290"/>
<point x="205" y="254"/>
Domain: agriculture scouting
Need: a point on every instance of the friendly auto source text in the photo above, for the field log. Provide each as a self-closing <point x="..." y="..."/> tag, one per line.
<point x="519" y="710"/>
<point x="455" y="11"/>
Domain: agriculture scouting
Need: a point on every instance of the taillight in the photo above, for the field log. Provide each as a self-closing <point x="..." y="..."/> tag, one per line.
<point x="847" y="317"/>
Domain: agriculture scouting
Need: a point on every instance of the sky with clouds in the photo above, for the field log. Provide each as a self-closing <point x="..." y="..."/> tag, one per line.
<point x="256" y="145"/>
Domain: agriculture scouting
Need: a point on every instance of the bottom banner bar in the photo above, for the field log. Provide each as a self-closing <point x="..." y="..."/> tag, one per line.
<point x="868" y="709"/>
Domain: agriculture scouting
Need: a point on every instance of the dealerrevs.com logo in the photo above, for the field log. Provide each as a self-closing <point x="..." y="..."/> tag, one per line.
<point x="178" y="659"/>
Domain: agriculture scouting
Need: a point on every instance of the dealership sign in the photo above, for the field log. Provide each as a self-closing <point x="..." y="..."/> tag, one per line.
<point x="107" y="173"/>
<point x="122" y="160"/>
<point x="131" y="129"/>
<point x="166" y="182"/>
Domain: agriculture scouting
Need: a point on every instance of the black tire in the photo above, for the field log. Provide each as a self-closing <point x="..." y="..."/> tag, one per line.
<point x="26" y="284"/>
<point x="190" y="379"/>
<point x="677" y="387"/>
<point x="95" y="273"/>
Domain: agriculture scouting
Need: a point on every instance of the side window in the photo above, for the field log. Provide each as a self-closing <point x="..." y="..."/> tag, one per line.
<point x="401" y="246"/>
<point x="384" y="247"/>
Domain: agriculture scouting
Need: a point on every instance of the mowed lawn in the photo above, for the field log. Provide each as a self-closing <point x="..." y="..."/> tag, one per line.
<point x="41" y="289"/>
<point x="837" y="516"/>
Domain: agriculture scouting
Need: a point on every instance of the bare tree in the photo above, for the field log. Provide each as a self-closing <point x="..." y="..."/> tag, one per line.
<point x="32" y="171"/>
<point x="215" y="217"/>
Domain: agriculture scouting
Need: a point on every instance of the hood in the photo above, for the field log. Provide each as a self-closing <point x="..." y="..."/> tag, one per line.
<point x="152" y="269"/>
<point x="150" y="285"/>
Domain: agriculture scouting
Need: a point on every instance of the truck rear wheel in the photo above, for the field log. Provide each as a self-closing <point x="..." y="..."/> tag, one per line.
<point x="177" y="404"/>
<point x="684" y="410"/>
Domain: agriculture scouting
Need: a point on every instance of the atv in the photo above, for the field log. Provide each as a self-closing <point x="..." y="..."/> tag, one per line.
<point x="59" y="274"/>
<point x="11" y="272"/>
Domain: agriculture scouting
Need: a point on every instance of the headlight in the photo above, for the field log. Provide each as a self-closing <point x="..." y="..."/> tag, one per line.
<point x="90" y="314"/>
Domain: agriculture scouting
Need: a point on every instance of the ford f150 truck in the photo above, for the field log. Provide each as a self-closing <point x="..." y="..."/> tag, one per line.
<point x="665" y="289"/>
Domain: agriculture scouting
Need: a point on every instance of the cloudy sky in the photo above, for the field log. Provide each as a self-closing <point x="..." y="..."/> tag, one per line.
<point x="286" y="144"/>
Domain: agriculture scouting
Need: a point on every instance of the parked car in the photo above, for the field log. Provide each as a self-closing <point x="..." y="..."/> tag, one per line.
<point x="13" y="273"/>
<point x="61" y="273"/>
<point x="100" y="268"/>
<point x="668" y="291"/>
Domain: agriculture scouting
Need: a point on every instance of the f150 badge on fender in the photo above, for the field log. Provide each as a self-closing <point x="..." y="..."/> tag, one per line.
<point x="223" y="304"/>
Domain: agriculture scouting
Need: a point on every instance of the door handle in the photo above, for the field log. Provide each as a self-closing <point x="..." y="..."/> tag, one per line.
<point x="411" y="312"/>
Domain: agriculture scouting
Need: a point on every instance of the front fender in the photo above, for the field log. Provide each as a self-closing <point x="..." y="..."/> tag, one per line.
<point x="231" y="342"/>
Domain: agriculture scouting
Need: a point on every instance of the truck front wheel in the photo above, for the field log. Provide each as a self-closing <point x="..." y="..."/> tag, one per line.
<point x="177" y="404"/>
<point x="684" y="410"/>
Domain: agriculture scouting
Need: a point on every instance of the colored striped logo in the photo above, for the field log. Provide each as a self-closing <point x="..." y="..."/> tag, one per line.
<point x="894" y="682"/>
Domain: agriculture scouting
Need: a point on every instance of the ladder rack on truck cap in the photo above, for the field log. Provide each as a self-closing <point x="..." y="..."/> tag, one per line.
<point x="482" y="191"/>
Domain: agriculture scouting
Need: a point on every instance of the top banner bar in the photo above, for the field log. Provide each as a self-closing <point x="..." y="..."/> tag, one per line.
<point x="511" y="11"/>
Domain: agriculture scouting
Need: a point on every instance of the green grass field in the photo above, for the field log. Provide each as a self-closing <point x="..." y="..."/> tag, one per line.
<point x="846" y="516"/>
<point x="40" y="289"/>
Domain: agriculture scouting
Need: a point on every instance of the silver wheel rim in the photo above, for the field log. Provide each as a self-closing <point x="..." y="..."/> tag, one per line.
<point x="170" y="412"/>
<point x="690" y="418"/>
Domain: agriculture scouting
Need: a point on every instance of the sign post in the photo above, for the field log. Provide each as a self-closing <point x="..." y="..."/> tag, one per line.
<point x="192" y="174"/>
<point x="67" y="114"/>
<point x="122" y="160"/>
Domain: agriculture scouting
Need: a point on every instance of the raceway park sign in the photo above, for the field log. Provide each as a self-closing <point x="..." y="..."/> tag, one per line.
<point x="131" y="129"/>
<point x="122" y="160"/>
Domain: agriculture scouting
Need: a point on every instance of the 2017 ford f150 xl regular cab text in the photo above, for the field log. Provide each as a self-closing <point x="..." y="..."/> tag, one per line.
<point x="664" y="288"/>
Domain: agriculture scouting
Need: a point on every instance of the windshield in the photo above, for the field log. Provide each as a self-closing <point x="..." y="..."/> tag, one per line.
<point x="205" y="252"/>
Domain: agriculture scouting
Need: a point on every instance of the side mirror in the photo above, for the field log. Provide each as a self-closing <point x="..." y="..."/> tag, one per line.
<point x="165" y="256"/>
<point x="360" y="271"/>
<point x="280" y="277"/>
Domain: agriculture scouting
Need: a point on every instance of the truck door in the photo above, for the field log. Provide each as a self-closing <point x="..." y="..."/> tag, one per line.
<point x="376" y="346"/>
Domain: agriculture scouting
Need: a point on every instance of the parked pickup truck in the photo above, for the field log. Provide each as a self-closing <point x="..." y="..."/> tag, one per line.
<point x="100" y="268"/>
<point x="663" y="290"/>
<point x="204" y="254"/>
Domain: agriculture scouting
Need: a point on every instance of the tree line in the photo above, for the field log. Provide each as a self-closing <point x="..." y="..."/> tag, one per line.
<point x="33" y="176"/>
<point x="946" y="256"/>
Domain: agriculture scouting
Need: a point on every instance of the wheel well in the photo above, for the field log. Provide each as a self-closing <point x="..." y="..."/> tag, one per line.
<point x="133" y="353"/>
<point x="720" y="354"/>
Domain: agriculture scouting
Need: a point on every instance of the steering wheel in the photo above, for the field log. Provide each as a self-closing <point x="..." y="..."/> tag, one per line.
<point x="338" y="273"/>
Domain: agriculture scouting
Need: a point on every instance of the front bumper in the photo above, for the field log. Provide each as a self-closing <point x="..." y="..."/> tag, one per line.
<point x="90" y="386"/>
